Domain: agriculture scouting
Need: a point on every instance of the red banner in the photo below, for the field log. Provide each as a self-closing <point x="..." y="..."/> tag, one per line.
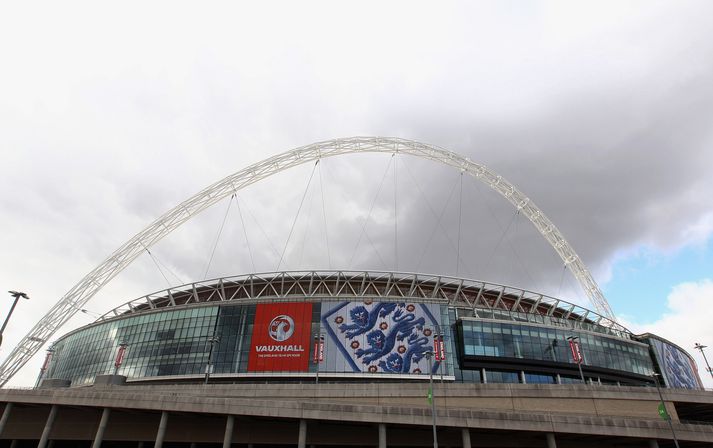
<point x="318" y="353"/>
<point x="120" y="356"/>
<point x="442" y="346"/>
<point x="576" y="351"/>
<point x="437" y="346"/>
<point x="280" y="340"/>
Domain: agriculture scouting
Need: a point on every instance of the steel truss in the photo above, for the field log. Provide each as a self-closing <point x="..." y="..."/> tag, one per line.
<point x="475" y="295"/>
<point x="75" y="299"/>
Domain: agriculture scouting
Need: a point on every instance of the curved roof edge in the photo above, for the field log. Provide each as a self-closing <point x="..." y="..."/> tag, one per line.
<point x="388" y="285"/>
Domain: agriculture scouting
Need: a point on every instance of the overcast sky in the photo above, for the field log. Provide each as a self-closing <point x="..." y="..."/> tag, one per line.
<point x="602" y="113"/>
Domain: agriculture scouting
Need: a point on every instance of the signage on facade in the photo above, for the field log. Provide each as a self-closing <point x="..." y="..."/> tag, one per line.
<point x="280" y="338"/>
<point x="382" y="337"/>
<point x="576" y="351"/>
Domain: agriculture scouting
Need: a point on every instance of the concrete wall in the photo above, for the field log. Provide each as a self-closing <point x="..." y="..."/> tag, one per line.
<point x="348" y="413"/>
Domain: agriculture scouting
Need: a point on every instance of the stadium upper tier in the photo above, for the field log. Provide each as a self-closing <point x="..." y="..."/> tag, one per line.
<point x="369" y="325"/>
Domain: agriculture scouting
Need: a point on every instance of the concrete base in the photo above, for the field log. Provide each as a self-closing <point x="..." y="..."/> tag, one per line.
<point x="110" y="380"/>
<point x="52" y="383"/>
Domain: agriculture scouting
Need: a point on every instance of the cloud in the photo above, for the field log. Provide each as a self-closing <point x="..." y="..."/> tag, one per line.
<point x="687" y="321"/>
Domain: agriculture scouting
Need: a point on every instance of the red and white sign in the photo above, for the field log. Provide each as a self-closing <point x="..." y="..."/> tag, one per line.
<point x="120" y="356"/>
<point x="576" y="351"/>
<point x="280" y="340"/>
<point x="439" y="347"/>
<point x="318" y="353"/>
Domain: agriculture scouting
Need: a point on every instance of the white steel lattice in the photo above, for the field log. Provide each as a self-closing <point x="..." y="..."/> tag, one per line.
<point x="75" y="299"/>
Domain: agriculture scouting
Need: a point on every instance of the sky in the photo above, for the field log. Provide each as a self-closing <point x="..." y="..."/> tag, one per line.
<point x="601" y="112"/>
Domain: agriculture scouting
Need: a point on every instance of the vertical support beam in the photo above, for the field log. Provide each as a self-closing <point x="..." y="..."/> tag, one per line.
<point x="465" y="434"/>
<point x="551" y="443"/>
<point x="101" y="428"/>
<point x="382" y="435"/>
<point x="653" y="443"/>
<point x="228" y="438"/>
<point x="302" y="436"/>
<point x="14" y="443"/>
<point x="161" y="430"/>
<point x="48" y="427"/>
<point x="5" y="416"/>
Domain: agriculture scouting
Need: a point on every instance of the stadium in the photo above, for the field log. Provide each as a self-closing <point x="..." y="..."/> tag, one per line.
<point x="352" y="358"/>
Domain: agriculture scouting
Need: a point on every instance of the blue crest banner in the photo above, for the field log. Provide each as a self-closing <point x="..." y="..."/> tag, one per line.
<point x="380" y="337"/>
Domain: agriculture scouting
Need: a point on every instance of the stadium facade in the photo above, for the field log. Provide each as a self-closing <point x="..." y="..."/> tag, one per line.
<point x="343" y="359"/>
<point x="367" y="326"/>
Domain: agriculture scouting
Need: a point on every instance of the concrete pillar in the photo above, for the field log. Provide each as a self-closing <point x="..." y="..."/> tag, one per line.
<point x="523" y="379"/>
<point x="559" y="379"/>
<point x="302" y="436"/>
<point x="228" y="438"/>
<point x="382" y="435"/>
<point x="5" y="416"/>
<point x="14" y="443"/>
<point x="551" y="443"/>
<point x="484" y="376"/>
<point x="653" y="443"/>
<point x="48" y="427"/>
<point x="161" y="430"/>
<point x="465" y="434"/>
<point x="101" y="428"/>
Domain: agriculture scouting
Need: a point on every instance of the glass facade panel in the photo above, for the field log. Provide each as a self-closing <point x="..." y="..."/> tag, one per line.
<point x="176" y="342"/>
<point x="550" y="344"/>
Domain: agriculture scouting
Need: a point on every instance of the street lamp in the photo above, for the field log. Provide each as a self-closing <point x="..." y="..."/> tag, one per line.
<point x="431" y="397"/>
<point x="576" y="354"/>
<point x="662" y="408"/>
<point x="213" y="340"/>
<point x="708" y="366"/>
<point x="16" y="295"/>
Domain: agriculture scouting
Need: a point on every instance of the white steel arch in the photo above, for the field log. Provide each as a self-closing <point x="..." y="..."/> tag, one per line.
<point x="75" y="299"/>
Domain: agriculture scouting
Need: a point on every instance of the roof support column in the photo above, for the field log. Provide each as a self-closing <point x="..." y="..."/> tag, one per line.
<point x="302" y="436"/>
<point x="5" y="416"/>
<point x="551" y="443"/>
<point x="382" y="435"/>
<point x="228" y="438"/>
<point x="465" y="434"/>
<point x="48" y="427"/>
<point x="161" y="430"/>
<point x="101" y="428"/>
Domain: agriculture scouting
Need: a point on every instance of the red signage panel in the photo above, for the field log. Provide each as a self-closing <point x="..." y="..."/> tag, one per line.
<point x="576" y="351"/>
<point x="280" y="340"/>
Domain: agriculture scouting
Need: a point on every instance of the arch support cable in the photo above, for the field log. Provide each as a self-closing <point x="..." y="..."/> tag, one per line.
<point x="76" y="297"/>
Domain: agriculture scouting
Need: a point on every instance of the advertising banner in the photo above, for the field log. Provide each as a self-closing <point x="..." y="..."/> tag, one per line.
<point x="281" y="337"/>
<point x="677" y="368"/>
<point x="381" y="337"/>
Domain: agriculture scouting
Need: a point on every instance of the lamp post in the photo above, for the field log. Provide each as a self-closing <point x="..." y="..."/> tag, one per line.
<point x="213" y="340"/>
<point x="577" y="354"/>
<point x="663" y="412"/>
<point x="16" y="295"/>
<point x="708" y="366"/>
<point x="431" y="397"/>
